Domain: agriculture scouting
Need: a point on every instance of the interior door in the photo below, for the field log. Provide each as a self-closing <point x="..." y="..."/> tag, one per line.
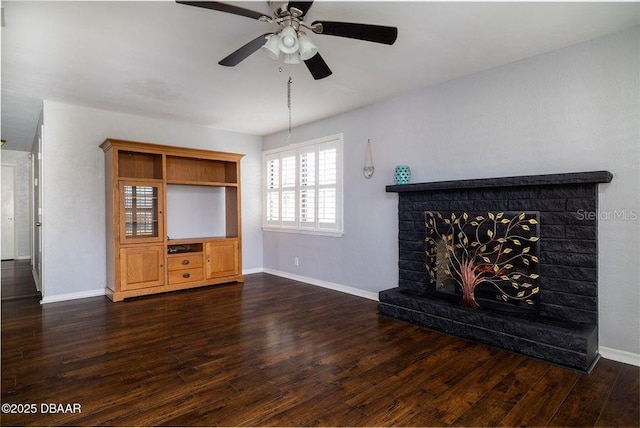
<point x="8" y="211"/>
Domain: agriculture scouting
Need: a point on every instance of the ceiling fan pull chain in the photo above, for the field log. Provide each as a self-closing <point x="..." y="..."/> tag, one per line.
<point x="289" y="105"/>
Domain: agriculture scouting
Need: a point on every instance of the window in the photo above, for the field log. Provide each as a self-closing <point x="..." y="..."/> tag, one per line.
<point x="303" y="187"/>
<point x="140" y="211"/>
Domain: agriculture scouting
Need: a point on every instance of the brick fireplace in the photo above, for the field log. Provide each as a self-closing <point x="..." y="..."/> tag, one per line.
<point x="553" y="311"/>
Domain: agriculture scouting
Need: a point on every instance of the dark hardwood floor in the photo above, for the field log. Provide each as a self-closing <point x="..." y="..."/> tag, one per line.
<point x="17" y="280"/>
<point x="276" y="352"/>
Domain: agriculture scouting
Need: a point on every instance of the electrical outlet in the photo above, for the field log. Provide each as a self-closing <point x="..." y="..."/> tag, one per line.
<point x="296" y="261"/>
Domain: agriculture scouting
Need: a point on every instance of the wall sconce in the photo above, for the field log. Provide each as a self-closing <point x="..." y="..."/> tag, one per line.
<point x="368" y="162"/>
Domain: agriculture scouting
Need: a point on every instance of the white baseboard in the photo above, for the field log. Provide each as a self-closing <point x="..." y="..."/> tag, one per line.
<point x="250" y="271"/>
<point x="620" y="356"/>
<point x="72" y="296"/>
<point x="325" y="284"/>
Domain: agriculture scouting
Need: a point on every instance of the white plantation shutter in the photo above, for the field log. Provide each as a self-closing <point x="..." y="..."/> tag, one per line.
<point x="303" y="187"/>
<point x="327" y="204"/>
<point x="288" y="201"/>
<point x="307" y="177"/>
<point x="272" y="197"/>
<point x="288" y="171"/>
<point x="328" y="182"/>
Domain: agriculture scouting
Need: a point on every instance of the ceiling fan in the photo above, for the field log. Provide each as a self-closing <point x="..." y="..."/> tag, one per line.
<point x="289" y="40"/>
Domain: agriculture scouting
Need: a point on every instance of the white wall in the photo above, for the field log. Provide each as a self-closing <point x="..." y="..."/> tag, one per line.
<point x="22" y="213"/>
<point x="74" y="189"/>
<point x="575" y="109"/>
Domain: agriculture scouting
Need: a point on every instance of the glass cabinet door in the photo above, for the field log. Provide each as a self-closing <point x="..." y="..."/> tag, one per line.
<point x="141" y="212"/>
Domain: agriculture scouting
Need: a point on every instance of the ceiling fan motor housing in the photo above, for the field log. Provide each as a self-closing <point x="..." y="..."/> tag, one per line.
<point x="279" y="8"/>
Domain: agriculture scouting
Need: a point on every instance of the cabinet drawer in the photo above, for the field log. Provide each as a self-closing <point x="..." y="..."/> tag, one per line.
<point x="186" y="275"/>
<point x="184" y="261"/>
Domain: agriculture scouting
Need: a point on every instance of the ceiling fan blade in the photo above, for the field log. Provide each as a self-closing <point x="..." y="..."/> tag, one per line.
<point x="303" y="6"/>
<point x="318" y="68"/>
<point x="224" y="7"/>
<point x="241" y="54"/>
<point x="368" y="32"/>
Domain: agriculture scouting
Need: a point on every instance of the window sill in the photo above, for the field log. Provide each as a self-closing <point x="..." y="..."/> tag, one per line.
<point x="332" y="233"/>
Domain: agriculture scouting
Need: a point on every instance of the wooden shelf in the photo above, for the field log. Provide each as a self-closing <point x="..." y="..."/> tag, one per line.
<point x="139" y="165"/>
<point x="186" y="170"/>
<point x="203" y="183"/>
<point x="141" y="265"/>
<point x="196" y="240"/>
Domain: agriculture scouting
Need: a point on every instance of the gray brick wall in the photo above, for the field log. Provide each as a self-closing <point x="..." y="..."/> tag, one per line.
<point x="568" y="239"/>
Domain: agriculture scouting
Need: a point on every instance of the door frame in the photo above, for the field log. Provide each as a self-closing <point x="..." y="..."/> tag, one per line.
<point x="37" y="169"/>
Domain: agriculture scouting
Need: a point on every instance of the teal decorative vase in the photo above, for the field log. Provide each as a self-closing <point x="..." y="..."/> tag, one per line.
<point x="403" y="174"/>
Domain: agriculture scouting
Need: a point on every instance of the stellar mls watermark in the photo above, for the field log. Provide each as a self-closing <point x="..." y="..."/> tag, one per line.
<point x="622" y="214"/>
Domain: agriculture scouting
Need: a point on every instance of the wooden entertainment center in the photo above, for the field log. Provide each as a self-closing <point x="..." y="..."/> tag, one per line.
<point x="141" y="258"/>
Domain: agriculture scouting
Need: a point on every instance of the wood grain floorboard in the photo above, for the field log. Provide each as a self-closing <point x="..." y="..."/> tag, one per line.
<point x="17" y="280"/>
<point x="585" y="402"/>
<point x="493" y="406"/>
<point x="276" y="352"/>
<point x="624" y="401"/>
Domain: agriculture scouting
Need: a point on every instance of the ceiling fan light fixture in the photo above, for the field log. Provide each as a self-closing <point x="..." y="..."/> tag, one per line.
<point x="292" y="58"/>
<point x="271" y="47"/>
<point x="288" y="40"/>
<point x="307" y="49"/>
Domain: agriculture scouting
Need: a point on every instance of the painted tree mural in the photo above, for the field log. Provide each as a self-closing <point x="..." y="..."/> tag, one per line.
<point x="489" y="249"/>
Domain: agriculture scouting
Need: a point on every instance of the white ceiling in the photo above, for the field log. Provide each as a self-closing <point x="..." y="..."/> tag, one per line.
<point x="159" y="59"/>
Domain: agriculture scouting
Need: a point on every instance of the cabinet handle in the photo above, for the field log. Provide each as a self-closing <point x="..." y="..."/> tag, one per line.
<point x="186" y="275"/>
<point x="185" y="262"/>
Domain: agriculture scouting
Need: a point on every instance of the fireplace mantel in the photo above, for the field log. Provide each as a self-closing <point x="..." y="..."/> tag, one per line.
<point x="523" y="180"/>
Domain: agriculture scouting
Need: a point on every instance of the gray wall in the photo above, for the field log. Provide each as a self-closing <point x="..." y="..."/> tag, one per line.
<point x="575" y="109"/>
<point x="74" y="189"/>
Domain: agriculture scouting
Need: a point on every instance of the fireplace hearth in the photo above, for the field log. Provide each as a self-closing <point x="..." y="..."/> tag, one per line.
<point x="510" y="262"/>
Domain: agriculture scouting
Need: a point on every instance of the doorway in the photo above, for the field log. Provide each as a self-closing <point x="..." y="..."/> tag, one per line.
<point x="8" y="212"/>
<point x="17" y="281"/>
